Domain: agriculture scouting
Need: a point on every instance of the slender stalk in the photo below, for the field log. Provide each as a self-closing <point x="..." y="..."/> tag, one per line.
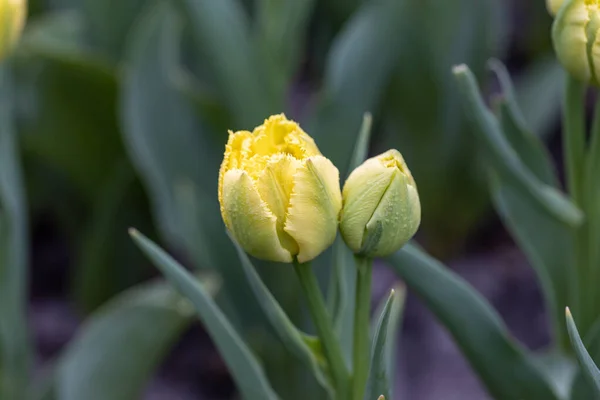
<point x="574" y="135"/>
<point x="592" y="211"/>
<point x="324" y="326"/>
<point x="574" y="153"/>
<point x="362" y="308"/>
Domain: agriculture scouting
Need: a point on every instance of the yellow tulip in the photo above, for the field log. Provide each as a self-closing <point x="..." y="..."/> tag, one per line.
<point x="12" y="19"/>
<point x="381" y="209"/>
<point x="280" y="198"/>
<point x="576" y="39"/>
<point x="553" y="6"/>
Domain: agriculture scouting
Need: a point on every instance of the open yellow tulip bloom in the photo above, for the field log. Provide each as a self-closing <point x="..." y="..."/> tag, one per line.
<point x="280" y="198"/>
<point x="576" y="38"/>
<point x="12" y="19"/>
<point x="381" y="209"/>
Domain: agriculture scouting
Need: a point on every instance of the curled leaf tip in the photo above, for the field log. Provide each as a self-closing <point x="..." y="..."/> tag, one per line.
<point x="133" y="232"/>
<point x="568" y="312"/>
<point x="460" y="69"/>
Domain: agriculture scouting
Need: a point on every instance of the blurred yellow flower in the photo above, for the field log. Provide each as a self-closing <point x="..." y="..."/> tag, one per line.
<point x="553" y="6"/>
<point x="280" y="198"/>
<point x="576" y="40"/>
<point x="12" y="19"/>
<point x="381" y="210"/>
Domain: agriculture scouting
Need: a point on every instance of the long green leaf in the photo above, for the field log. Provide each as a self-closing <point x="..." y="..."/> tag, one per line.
<point x="160" y="128"/>
<point x="342" y="282"/>
<point x="545" y="240"/>
<point x="72" y="135"/>
<point x="504" y="159"/>
<point x="282" y="26"/>
<point x="222" y="29"/>
<point x="539" y="91"/>
<point x="176" y="155"/>
<point x="528" y="147"/>
<point x="109" y="22"/>
<point x="117" y="349"/>
<point x="502" y="365"/>
<point x="381" y="373"/>
<point x="590" y="370"/>
<point x="291" y="337"/>
<point x="14" y="341"/>
<point x="353" y="82"/>
<point x="581" y="387"/>
<point x="361" y="147"/>
<point x="105" y="264"/>
<point x="73" y="126"/>
<point x="243" y="365"/>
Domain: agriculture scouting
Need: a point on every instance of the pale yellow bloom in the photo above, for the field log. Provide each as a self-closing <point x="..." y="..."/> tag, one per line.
<point x="12" y="19"/>
<point x="381" y="210"/>
<point x="576" y="40"/>
<point x="553" y="6"/>
<point x="280" y="198"/>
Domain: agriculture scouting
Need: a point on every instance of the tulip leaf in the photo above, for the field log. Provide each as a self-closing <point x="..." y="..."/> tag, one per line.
<point x="14" y="344"/>
<point x="502" y="365"/>
<point x="243" y="365"/>
<point x="361" y="147"/>
<point x="539" y="92"/>
<point x="72" y="136"/>
<point x="528" y="147"/>
<point x="544" y="239"/>
<point x="340" y="296"/>
<point x="78" y="137"/>
<point x="158" y="125"/>
<point x="581" y="387"/>
<point x="383" y="350"/>
<point x="109" y="23"/>
<point x="121" y="344"/>
<point x="342" y="282"/>
<point x="287" y="332"/>
<point x="222" y="29"/>
<point x="282" y="26"/>
<point x="353" y="82"/>
<point x="589" y="369"/>
<point x="177" y="155"/>
<point x="504" y="159"/>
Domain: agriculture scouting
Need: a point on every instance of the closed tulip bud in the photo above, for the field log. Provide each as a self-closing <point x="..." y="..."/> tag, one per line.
<point x="280" y="198"/>
<point x="553" y="6"/>
<point x="381" y="209"/>
<point x="576" y="40"/>
<point x="12" y="19"/>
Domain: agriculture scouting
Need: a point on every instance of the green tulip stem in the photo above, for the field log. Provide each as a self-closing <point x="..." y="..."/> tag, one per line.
<point x="592" y="199"/>
<point x="574" y="154"/>
<point x="324" y="327"/>
<point x="574" y="135"/>
<point x="362" y="308"/>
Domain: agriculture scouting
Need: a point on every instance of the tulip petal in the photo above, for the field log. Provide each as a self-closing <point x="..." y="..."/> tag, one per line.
<point x="363" y="190"/>
<point x="315" y="205"/>
<point x="570" y="38"/>
<point x="398" y="219"/>
<point x="275" y="185"/>
<point x="249" y="220"/>
<point x="593" y="33"/>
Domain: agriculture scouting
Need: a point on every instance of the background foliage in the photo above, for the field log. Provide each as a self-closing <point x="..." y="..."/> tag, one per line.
<point x="121" y="110"/>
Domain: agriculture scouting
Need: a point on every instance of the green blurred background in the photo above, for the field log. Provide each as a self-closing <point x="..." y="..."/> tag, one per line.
<point x="122" y="109"/>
